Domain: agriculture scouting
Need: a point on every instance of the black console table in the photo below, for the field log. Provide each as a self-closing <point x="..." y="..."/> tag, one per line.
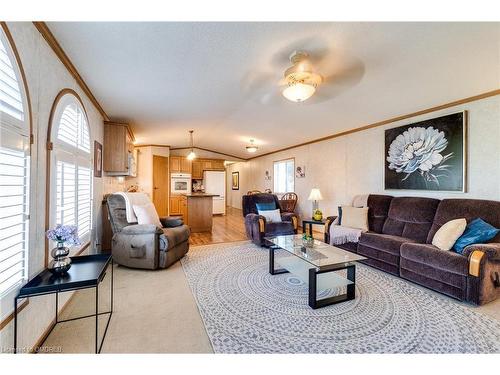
<point x="87" y="271"/>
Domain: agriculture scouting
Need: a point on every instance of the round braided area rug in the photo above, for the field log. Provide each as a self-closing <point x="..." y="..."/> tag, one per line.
<point x="247" y="310"/>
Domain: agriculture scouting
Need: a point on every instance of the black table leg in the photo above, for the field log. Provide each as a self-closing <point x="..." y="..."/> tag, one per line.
<point x="272" y="271"/>
<point x="349" y="295"/>
<point x="15" y="325"/>
<point x="97" y="318"/>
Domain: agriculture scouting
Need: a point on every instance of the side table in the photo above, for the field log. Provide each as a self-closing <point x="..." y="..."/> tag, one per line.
<point x="309" y="223"/>
<point x="87" y="271"/>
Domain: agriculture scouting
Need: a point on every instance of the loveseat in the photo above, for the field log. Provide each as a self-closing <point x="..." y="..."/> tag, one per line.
<point x="399" y="241"/>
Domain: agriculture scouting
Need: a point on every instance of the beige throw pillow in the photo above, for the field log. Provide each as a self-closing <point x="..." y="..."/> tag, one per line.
<point x="355" y="217"/>
<point x="146" y="214"/>
<point x="272" y="216"/>
<point x="448" y="234"/>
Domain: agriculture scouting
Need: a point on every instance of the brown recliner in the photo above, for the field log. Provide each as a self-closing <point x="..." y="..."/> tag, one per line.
<point x="145" y="246"/>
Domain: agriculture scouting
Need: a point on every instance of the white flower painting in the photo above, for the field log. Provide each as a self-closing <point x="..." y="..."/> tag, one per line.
<point x="426" y="155"/>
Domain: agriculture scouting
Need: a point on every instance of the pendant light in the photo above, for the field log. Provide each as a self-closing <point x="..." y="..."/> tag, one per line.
<point x="191" y="155"/>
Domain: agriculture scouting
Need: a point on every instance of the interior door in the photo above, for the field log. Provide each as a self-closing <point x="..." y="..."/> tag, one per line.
<point x="160" y="184"/>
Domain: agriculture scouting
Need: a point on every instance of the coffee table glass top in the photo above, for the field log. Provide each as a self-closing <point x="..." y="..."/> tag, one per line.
<point x="320" y="255"/>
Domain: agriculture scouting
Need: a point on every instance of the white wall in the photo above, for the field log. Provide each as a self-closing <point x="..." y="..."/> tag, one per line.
<point x="354" y="164"/>
<point x="46" y="76"/>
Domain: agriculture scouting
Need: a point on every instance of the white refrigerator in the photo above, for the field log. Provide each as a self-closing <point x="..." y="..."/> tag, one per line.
<point x="215" y="183"/>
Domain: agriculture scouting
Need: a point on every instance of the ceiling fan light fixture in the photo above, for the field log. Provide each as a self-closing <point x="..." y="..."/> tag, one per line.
<point x="252" y="147"/>
<point x="298" y="91"/>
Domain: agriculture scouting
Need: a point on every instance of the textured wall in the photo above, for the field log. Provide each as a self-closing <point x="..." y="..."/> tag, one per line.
<point x="354" y="164"/>
<point x="46" y="76"/>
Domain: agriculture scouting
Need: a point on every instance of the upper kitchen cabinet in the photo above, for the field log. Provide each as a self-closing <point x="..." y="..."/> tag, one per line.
<point x="179" y="164"/>
<point x="201" y="165"/>
<point x="118" y="153"/>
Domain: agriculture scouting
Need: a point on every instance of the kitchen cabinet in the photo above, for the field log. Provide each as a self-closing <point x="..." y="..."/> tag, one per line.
<point x="180" y="164"/>
<point x="178" y="207"/>
<point x="175" y="205"/>
<point x="197" y="168"/>
<point x="117" y="148"/>
<point x="175" y="164"/>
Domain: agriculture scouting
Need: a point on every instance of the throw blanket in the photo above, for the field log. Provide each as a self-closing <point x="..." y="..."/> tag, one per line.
<point x="132" y="199"/>
<point x="340" y="235"/>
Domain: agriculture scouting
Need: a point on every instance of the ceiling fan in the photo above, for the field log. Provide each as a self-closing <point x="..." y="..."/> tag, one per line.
<point x="317" y="73"/>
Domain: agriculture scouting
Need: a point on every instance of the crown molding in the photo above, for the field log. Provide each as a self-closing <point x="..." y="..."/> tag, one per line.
<point x="388" y="121"/>
<point x="56" y="47"/>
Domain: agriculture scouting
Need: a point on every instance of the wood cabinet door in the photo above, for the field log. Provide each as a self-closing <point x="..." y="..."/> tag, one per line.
<point x="185" y="165"/>
<point x="207" y="165"/>
<point x="175" y="164"/>
<point x="160" y="184"/>
<point x="175" y="208"/>
<point x="197" y="169"/>
<point x="218" y="164"/>
<point x="115" y="153"/>
<point x="184" y="210"/>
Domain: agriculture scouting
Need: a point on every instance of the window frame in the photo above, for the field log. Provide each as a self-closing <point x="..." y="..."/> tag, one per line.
<point x="60" y="150"/>
<point x="24" y="128"/>
<point x="292" y="159"/>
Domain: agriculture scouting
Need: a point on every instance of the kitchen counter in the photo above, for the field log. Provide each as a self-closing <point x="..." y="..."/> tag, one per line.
<point x="200" y="211"/>
<point x="196" y="195"/>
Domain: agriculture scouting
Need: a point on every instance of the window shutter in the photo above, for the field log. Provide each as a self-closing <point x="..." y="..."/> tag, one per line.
<point x="14" y="178"/>
<point x="66" y="193"/>
<point x="14" y="219"/>
<point x="11" y="101"/>
<point x="84" y="202"/>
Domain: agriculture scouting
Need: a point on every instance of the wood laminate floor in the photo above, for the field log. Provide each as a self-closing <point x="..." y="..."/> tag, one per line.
<point x="227" y="228"/>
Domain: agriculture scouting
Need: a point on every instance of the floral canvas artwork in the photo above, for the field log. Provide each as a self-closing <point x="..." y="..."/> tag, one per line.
<point x="427" y="155"/>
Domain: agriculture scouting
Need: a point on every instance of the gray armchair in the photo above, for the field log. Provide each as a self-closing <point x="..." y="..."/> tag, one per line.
<point x="145" y="246"/>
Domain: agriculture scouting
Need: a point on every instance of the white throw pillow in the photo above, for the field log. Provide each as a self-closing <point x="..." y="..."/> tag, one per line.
<point x="272" y="216"/>
<point x="355" y="217"/>
<point x="146" y="214"/>
<point x="448" y="234"/>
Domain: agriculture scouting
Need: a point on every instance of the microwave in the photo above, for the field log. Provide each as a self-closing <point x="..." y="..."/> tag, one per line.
<point x="180" y="183"/>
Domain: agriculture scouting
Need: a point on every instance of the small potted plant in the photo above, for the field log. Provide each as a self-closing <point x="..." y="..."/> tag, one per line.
<point x="62" y="234"/>
<point x="307" y="240"/>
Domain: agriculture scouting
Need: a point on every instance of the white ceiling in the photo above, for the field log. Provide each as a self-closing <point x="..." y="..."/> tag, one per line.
<point x="219" y="78"/>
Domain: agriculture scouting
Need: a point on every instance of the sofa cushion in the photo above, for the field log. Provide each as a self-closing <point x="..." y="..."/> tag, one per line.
<point x="276" y="229"/>
<point x="435" y="258"/>
<point x="477" y="232"/>
<point x="410" y="217"/>
<point x="379" y="255"/>
<point x="383" y="242"/>
<point x="176" y="235"/>
<point x="378" y="208"/>
<point x="447" y="235"/>
<point x="470" y="209"/>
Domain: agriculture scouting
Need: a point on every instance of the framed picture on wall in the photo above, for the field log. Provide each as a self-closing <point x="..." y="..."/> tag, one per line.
<point x="235" y="178"/>
<point x="427" y="155"/>
<point x="97" y="159"/>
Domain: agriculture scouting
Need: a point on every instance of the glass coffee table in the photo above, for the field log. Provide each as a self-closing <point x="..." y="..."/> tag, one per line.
<point x="317" y="266"/>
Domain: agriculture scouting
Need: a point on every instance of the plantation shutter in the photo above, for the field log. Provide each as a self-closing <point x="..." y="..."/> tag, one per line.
<point x="11" y="101"/>
<point x="14" y="178"/>
<point x="72" y="160"/>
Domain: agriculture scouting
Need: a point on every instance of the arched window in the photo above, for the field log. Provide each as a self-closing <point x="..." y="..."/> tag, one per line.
<point x="71" y="172"/>
<point x="14" y="173"/>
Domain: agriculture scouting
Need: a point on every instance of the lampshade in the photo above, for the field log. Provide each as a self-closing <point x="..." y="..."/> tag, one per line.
<point x="315" y="195"/>
<point x="298" y="92"/>
<point x="191" y="155"/>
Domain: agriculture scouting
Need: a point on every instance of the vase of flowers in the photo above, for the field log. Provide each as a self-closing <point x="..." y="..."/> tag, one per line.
<point x="307" y="240"/>
<point x="62" y="234"/>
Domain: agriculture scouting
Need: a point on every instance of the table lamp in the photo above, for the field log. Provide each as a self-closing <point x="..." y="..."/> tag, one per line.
<point x="316" y="196"/>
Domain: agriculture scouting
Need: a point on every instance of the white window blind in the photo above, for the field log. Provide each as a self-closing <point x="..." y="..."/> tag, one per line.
<point x="11" y="100"/>
<point x="284" y="176"/>
<point x="73" y="128"/>
<point x="72" y="183"/>
<point x="14" y="177"/>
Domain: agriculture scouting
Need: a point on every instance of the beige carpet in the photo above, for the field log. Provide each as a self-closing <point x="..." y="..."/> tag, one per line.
<point x="154" y="312"/>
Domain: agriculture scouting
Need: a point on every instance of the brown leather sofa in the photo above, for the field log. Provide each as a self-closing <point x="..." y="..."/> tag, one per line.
<point x="399" y="241"/>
